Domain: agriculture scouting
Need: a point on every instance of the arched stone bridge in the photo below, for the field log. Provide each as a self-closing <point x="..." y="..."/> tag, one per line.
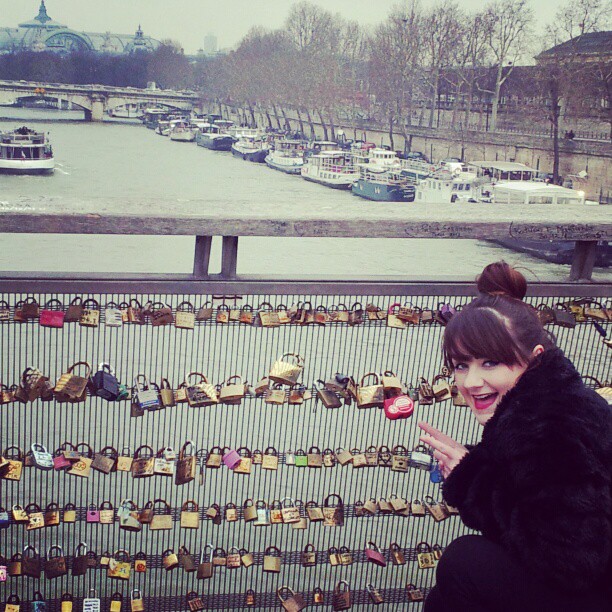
<point x="96" y="100"/>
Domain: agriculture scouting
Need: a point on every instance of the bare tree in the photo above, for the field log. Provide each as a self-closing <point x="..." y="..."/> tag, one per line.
<point x="508" y="30"/>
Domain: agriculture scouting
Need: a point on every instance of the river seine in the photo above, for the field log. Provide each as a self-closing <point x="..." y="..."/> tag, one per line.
<point x="121" y="159"/>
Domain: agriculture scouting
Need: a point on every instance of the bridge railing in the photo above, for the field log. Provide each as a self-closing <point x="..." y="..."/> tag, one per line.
<point x="226" y="338"/>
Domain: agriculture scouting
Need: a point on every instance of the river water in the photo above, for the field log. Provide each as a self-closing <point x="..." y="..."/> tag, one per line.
<point x="122" y="159"/>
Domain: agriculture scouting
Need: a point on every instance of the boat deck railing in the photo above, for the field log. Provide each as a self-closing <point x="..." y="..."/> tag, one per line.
<point x="335" y="325"/>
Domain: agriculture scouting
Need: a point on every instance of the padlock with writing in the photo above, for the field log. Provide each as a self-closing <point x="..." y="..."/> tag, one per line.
<point x="234" y="560"/>
<point x="270" y="459"/>
<point x="36" y="518"/>
<point x="346" y="555"/>
<point x="43" y="459"/>
<point x="425" y="556"/>
<point x="397" y="554"/>
<point x="146" y="395"/>
<point x="194" y="602"/>
<point x="376" y="596"/>
<point x="315" y="513"/>
<point x="276" y="512"/>
<point x="13" y="604"/>
<point x="140" y="563"/>
<point x="333" y="511"/>
<point x="413" y="593"/>
<point x="308" y="556"/>
<point x="341" y="599"/>
<point x="290" y="513"/>
<point x="333" y="556"/>
<point x="399" y="460"/>
<point x="263" y="514"/>
<point x="219" y="557"/>
<point x="436" y="509"/>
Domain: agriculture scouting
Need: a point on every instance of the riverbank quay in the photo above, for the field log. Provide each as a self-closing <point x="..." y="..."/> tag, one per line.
<point x="220" y="346"/>
<point x="590" y="156"/>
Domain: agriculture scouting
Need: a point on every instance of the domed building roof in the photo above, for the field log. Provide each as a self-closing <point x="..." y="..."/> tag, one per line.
<point x="42" y="19"/>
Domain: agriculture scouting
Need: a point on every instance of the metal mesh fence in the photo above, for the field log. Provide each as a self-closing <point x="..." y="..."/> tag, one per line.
<point x="220" y="351"/>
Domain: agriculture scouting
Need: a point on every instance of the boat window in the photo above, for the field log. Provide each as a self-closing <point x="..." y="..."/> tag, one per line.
<point x="568" y="201"/>
<point x="540" y="199"/>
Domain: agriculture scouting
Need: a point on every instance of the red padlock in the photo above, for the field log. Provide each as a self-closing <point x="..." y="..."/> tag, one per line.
<point x="398" y="407"/>
<point x="231" y="458"/>
<point x="373" y="555"/>
<point x="52" y="315"/>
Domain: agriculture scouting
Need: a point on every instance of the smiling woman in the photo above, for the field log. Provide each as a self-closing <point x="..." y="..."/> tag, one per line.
<point x="538" y="485"/>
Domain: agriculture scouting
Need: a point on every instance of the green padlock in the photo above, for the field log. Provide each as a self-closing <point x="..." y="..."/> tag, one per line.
<point x="301" y="458"/>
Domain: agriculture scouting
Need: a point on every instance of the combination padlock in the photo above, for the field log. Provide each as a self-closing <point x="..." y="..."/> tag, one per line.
<point x="43" y="459"/>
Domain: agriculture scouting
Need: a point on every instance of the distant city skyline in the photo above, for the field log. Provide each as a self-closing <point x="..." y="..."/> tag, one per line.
<point x="227" y="21"/>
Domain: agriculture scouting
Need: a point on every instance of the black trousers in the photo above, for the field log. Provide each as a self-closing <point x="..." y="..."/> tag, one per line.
<point x="477" y="575"/>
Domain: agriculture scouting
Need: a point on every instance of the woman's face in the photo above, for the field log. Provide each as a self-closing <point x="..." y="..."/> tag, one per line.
<point x="483" y="382"/>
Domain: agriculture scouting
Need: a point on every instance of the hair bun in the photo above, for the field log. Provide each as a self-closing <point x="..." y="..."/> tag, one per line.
<point x="501" y="279"/>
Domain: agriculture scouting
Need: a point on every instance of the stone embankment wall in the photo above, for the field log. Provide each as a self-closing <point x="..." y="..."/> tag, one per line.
<point x="592" y="156"/>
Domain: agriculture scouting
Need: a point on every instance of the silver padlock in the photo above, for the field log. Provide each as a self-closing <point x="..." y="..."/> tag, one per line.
<point x="289" y="457"/>
<point x="147" y="396"/>
<point x="42" y="457"/>
<point x="92" y="603"/>
<point x="263" y="514"/>
<point x="420" y="458"/>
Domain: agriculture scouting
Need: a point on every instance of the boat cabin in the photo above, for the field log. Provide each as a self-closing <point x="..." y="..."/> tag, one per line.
<point x="24" y="144"/>
<point x="531" y="192"/>
<point x="504" y="171"/>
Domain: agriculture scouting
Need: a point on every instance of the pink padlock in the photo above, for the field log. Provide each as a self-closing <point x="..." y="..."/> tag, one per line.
<point x="93" y="514"/>
<point x="231" y="458"/>
<point x="374" y="555"/>
<point x="60" y="462"/>
<point x="398" y="407"/>
<point x="3" y="572"/>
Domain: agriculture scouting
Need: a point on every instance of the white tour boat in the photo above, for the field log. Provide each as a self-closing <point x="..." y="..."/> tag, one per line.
<point x="287" y="156"/>
<point x="330" y="168"/>
<point x="182" y="132"/>
<point x="25" y="151"/>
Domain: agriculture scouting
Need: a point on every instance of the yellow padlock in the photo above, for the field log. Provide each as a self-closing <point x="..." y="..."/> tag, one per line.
<point x="67" y="600"/>
<point x="115" y="605"/>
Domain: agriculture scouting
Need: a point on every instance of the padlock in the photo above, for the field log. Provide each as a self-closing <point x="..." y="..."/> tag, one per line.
<point x="169" y="559"/>
<point x="397" y="554"/>
<point x="231" y="458"/>
<point x="250" y="598"/>
<point x="125" y="460"/>
<point x="244" y="465"/>
<point x="359" y="511"/>
<point x="397" y="504"/>
<point x="425" y="556"/>
<point x="74" y="310"/>
<point x="52" y="315"/>
<point x="205" y="312"/>
<point x="314" y="457"/>
<point x="115" y="602"/>
<point x="315" y="514"/>
<point x="346" y="555"/>
<point x="186" y="560"/>
<point x="372" y="395"/>
<point x="328" y="397"/>
<point x="437" y="551"/>
<point x="105" y="558"/>
<point x="417" y="508"/>
<point x="289" y="512"/>
<point x="190" y="515"/>
<point x="82" y="466"/>
<point x="413" y="593"/>
<point x="145" y="395"/>
<point x="67" y="603"/>
<point x="14" y="456"/>
<point x="127" y="515"/>
<point x="426" y="393"/>
<point x="215" y="457"/>
<point x="213" y="512"/>
<point x="143" y="465"/>
<point x="55" y="566"/>
<point x="371" y="506"/>
<point x="106" y="460"/>
<point x="329" y="458"/>
<point x="38" y="603"/>
<point x="162" y="518"/>
<point x="275" y="395"/>
<point x="71" y="387"/>
<point x="105" y="383"/>
<point x="373" y="555"/>
<point x="249" y="512"/>
<point x="333" y="556"/>
<point x="333" y="516"/>
<point x="36" y="518"/>
<point x="246" y="558"/>
<point x="205" y="567"/>
<point x="194" y="601"/>
<point x="69" y="514"/>
<point x="437" y="510"/>
<point x="140" y="563"/>
<point x="145" y="516"/>
<point x="371" y="455"/>
<point x="120" y="565"/>
<point x="14" y="566"/>
<point x="308" y="557"/>
<point x="343" y="456"/>
<point x="276" y="512"/>
<point x="31" y="564"/>
<point x="233" y="390"/>
<point x="376" y="596"/>
<point x="113" y="316"/>
<point x="5" y="520"/>
<point x="80" y="563"/>
<point x="341" y="599"/>
<point x="219" y="557"/>
<point x="272" y="560"/>
<point x="287" y="372"/>
<point x="162" y="466"/>
<point x="399" y="460"/>
<point x="384" y="507"/>
<point x="231" y="512"/>
<point x="263" y="514"/>
<point x="107" y="513"/>
<point x="93" y="514"/>
<point x="60" y="461"/>
<point x="136" y="601"/>
<point x="318" y="596"/>
<point x="290" y="600"/>
<point x="270" y="459"/>
<point x="166" y="394"/>
<point x="289" y="457"/>
<point x="43" y="459"/>
<point x="359" y="458"/>
<point x="200" y="392"/>
<point x="13" y="604"/>
<point x="301" y="458"/>
<point x="234" y="560"/>
<point x="398" y="407"/>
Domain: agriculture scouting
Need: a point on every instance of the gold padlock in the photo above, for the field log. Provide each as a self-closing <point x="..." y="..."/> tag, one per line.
<point x="136" y="601"/>
<point x="272" y="560"/>
<point x="67" y="603"/>
<point x="115" y="604"/>
<point x="169" y="559"/>
<point x="309" y="556"/>
<point x="425" y="556"/>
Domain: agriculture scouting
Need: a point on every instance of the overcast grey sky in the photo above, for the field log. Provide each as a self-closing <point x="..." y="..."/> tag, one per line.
<point x="188" y="21"/>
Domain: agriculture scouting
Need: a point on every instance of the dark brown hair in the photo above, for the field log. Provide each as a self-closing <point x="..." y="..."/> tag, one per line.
<point x="497" y="325"/>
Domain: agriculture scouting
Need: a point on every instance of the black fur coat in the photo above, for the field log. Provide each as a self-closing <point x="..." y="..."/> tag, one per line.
<point x="539" y="482"/>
